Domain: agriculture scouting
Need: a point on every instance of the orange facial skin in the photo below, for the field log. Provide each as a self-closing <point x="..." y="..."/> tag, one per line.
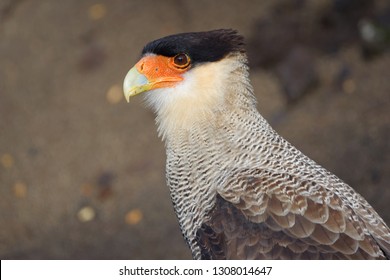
<point x="161" y="71"/>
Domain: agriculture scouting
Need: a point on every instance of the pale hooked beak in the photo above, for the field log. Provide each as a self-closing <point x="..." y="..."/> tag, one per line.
<point x="152" y="72"/>
<point x="135" y="83"/>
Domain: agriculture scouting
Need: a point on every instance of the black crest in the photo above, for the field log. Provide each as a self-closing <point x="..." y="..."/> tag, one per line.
<point x="199" y="46"/>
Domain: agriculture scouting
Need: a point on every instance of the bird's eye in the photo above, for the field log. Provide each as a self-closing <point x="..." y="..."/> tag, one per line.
<point x="181" y="61"/>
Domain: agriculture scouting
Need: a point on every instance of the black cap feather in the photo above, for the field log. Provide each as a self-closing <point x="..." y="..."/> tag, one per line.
<point x="201" y="47"/>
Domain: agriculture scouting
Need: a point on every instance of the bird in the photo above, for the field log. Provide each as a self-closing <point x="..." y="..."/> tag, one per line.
<point x="239" y="189"/>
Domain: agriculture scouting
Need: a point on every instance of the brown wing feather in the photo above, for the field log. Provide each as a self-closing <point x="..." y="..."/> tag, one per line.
<point x="253" y="222"/>
<point x="210" y="243"/>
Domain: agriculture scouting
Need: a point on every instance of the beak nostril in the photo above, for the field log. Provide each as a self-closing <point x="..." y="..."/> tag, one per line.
<point x="141" y="67"/>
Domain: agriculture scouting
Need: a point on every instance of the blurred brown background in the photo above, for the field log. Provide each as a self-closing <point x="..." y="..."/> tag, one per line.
<point x="82" y="171"/>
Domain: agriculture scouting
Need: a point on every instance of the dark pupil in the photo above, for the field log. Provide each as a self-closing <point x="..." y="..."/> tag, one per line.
<point x="181" y="59"/>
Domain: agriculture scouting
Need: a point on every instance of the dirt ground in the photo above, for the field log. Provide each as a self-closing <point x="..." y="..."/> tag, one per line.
<point x="82" y="171"/>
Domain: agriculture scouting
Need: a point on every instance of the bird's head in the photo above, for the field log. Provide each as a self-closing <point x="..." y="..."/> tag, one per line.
<point x="186" y="76"/>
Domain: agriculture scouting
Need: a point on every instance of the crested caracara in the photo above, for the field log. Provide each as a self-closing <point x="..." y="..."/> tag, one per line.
<point x="239" y="190"/>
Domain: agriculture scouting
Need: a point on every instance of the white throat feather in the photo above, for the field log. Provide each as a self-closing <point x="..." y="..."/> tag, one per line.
<point x="205" y="90"/>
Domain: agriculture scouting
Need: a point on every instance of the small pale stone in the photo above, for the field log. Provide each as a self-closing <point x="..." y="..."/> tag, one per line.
<point x="133" y="217"/>
<point x="19" y="189"/>
<point x="114" y="94"/>
<point x="86" y="214"/>
<point x="7" y="161"/>
<point x="97" y="11"/>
